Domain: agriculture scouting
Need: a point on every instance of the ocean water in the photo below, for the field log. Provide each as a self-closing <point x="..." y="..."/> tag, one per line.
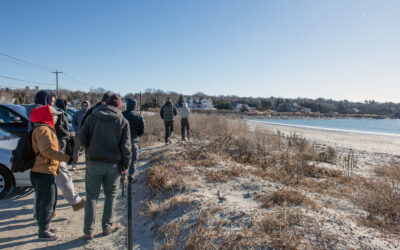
<point x="389" y="127"/>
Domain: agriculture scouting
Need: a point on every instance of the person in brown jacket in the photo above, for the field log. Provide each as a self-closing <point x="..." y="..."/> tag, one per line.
<point x="46" y="166"/>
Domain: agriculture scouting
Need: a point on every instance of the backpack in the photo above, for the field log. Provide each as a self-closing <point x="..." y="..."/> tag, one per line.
<point x="23" y="157"/>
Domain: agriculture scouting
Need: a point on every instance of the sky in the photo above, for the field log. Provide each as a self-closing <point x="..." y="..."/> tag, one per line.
<point x="342" y="49"/>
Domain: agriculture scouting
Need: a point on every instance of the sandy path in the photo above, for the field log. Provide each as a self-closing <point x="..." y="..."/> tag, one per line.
<point x="18" y="229"/>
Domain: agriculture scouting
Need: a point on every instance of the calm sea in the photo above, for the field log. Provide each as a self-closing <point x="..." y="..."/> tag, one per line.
<point x="369" y="126"/>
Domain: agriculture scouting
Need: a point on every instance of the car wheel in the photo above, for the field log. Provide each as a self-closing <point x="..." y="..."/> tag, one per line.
<point x="6" y="184"/>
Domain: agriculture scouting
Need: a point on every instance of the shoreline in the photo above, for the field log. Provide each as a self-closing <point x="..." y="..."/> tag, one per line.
<point x="368" y="143"/>
<point x="327" y="129"/>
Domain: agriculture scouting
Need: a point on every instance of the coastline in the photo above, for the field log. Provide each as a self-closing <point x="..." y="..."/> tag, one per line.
<point x="361" y="141"/>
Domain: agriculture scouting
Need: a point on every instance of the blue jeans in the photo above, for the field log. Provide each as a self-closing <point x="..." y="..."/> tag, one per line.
<point x="135" y="149"/>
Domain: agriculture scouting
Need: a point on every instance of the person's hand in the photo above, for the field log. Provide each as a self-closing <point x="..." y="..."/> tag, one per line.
<point x="124" y="171"/>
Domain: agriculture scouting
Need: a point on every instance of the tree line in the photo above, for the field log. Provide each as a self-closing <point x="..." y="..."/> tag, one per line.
<point x="155" y="98"/>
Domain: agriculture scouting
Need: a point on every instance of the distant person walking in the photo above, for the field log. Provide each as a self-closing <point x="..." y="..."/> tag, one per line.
<point x="46" y="166"/>
<point x="106" y="136"/>
<point x="76" y="124"/>
<point x="137" y="127"/>
<point x="185" y="115"/>
<point x="168" y="113"/>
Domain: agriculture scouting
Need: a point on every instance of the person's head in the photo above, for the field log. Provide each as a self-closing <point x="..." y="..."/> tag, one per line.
<point x="105" y="97"/>
<point x="168" y="100"/>
<point x="44" y="97"/>
<point x="53" y="98"/>
<point x="115" y="101"/>
<point x="131" y="104"/>
<point x="85" y="105"/>
<point x="61" y="103"/>
<point x="185" y="104"/>
<point x="45" y="114"/>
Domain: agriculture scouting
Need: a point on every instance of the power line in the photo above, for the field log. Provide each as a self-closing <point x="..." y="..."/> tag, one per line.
<point x="21" y="80"/>
<point x="73" y="79"/>
<point x="28" y="63"/>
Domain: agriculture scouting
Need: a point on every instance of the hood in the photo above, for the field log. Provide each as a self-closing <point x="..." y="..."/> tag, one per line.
<point x="42" y="115"/>
<point x="131" y="104"/>
<point x="61" y="103"/>
<point x="107" y="113"/>
<point x="87" y="102"/>
<point x="43" y="97"/>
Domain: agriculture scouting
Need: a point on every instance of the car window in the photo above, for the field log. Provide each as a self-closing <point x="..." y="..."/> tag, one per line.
<point x="6" y="116"/>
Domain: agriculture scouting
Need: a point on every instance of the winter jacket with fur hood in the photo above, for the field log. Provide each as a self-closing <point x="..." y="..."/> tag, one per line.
<point x="106" y="136"/>
<point x="45" y="142"/>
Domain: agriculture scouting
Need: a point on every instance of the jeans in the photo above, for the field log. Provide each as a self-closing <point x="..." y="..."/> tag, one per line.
<point x="97" y="174"/>
<point x="169" y="128"/>
<point x="135" y="149"/>
<point x="46" y="199"/>
<point x="185" y="124"/>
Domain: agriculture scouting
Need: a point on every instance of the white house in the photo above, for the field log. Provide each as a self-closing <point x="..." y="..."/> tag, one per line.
<point x="203" y="103"/>
<point x="239" y="107"/>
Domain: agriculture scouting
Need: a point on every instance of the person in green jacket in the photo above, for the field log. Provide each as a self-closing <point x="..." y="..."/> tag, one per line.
<point x="106" y="136"/>
<point x="168" y="113"/>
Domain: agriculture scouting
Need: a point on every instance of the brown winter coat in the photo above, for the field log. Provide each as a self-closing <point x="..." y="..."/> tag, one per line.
<point x="45" y="142"/>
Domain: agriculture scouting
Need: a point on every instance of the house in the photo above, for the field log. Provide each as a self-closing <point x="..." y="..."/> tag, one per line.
<point x="288" y="107"/>
<point x="239" y="107"/>
<point x="202" y="103"/>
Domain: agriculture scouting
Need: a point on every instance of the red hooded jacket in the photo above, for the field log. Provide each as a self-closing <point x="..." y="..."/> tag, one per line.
<point x="42" y="115"/>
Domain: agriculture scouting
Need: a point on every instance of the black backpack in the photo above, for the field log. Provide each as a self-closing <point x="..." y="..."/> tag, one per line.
<point x="23" y="157"/>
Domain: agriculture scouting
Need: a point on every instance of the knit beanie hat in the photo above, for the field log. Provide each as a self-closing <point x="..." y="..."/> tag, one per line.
<point x="115" y="101"/>
<point x="106" y="96"/>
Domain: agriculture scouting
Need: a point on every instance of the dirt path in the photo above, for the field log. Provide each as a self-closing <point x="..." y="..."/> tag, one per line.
<point x="18" y="229"/>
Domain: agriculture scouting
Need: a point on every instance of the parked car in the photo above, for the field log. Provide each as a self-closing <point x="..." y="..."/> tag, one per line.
<point x="13" y="119"/>
<point x="8" y="179"/>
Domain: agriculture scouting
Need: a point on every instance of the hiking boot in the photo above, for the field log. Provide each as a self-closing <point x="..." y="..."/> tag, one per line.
<point x="88" y="237"/>
<point x="48" y="236"/>
<point x="79" y="205"/>
<point x="111" y="229"/>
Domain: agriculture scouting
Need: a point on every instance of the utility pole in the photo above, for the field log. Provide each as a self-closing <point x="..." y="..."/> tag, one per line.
<point x="57" y="72"/>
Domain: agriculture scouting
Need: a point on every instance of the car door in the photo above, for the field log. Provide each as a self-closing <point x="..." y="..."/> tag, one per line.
<point x="12" y="122"/>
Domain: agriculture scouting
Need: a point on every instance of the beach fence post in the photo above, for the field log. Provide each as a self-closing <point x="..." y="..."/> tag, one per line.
<point x="130" y="215"/>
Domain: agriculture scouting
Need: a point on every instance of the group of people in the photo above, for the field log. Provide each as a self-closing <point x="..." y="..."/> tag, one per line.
<point x="110" y="139"/>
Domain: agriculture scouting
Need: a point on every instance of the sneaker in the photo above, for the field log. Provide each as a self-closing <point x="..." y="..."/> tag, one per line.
<point x="88" y="237"/>
<point x="48" y="236"/>
<point x="111" y="229"/>
<point x="79" y="205"/>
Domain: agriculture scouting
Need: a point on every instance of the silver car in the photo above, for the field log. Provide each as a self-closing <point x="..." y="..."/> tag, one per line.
<point x="8" y="179"/>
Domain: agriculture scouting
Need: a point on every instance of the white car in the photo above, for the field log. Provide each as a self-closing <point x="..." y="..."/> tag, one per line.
<point x="8" y="179"/>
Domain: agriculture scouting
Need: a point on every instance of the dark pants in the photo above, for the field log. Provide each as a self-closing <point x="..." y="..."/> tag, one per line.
<point x="46" y="193"/>
<point x="135" y="149"/>
<point x="63" y="144"/>
<point x="185" y="124"/>
<point x="169" y="128"/>
<point x="98" y="174"/>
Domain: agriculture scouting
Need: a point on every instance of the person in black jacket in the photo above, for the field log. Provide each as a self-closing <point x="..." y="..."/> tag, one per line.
<point x="137" y="127"/>
<point x="62" y="129"/>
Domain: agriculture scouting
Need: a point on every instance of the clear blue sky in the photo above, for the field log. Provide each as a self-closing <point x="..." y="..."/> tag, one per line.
<point x="332" y="49"/>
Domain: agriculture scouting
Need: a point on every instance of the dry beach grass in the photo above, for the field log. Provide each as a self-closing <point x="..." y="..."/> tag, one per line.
<point x="231" y="188"/>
